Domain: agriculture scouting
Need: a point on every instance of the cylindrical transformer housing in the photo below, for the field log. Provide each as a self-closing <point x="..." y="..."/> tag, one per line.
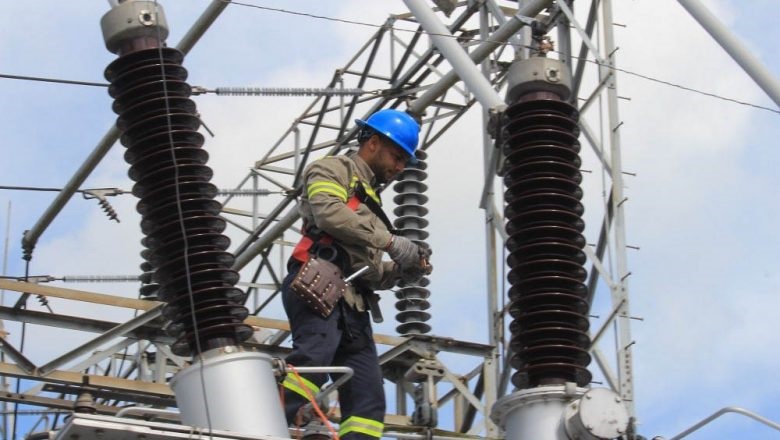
<point x="536" y="413"/>
<point x="231" y="390"/>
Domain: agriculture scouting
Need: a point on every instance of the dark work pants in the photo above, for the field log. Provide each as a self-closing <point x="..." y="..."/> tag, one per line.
<point x="321" y="341"/>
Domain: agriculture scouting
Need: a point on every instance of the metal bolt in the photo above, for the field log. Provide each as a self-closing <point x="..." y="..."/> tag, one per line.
<point x="552" y="75"/>
<point x="146" y="18"/>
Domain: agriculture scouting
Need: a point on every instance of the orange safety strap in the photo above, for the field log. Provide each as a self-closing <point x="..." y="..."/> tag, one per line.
<point x="301" y="251"/>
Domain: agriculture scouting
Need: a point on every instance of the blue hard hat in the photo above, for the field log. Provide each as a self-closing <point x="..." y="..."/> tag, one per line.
<point x="397" y="126"/>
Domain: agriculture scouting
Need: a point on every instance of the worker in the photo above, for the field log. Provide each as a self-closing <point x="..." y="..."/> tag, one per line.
<point x="341" y="212"/>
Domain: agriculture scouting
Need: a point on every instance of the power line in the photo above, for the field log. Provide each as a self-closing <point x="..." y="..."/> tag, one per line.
<point x="282" y="91"/>
<point x="473" y="39"/>
<point x="53" y="80"/>
<point x="112" y="191"/>
<point x="305" y="14"/>
<point x="689" y="89"/>
<point x="228" y="91"/>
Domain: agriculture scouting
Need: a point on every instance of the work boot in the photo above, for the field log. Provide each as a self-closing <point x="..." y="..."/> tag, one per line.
<point x="304" y="415"/>
<point x="316" y="430"/>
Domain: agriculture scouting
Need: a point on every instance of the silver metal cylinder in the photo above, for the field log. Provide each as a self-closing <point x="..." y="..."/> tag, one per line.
<point x="538" y="74"/>
<point x="535" y="413"/>
<point x="231" y="390"/>
<point x="130" y="20"/>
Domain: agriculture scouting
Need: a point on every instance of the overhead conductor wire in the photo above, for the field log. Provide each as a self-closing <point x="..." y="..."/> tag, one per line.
<point x="185" y="249"/>
<point x="481" y="40"/>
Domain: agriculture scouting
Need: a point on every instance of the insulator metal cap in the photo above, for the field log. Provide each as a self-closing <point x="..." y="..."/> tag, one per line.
<point x="538" y="74"/>
<point x="132" y="20"/>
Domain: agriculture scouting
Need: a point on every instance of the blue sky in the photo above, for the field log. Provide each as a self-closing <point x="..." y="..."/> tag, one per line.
<point x="702" y="208"/>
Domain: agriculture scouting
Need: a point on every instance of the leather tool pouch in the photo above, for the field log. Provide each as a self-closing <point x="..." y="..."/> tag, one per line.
<point x="319" y="283"/>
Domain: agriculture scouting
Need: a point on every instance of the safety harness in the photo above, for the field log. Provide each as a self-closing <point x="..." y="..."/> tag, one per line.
<point x="315" y="241"/>
<point x="360" y="194"/>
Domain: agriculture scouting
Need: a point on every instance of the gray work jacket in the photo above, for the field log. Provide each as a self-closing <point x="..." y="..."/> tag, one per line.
<point x="329" y="183"/>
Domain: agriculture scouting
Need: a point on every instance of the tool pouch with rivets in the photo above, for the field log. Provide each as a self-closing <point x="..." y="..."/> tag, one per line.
<point x="320" y="284"/>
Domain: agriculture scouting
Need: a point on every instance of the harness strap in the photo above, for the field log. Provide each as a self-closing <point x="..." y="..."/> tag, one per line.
<point x="373" y="205"/>
<point x="360" y="194"/>
<point x="301" y="251"/>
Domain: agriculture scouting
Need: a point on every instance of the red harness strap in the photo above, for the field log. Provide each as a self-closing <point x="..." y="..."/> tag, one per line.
<point x="301" y="251"/>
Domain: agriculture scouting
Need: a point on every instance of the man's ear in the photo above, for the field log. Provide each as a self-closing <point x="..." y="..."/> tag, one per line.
<point x="374" y="144"/>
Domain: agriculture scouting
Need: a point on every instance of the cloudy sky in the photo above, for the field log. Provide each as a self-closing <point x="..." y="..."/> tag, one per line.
<point x="702" y="206"/>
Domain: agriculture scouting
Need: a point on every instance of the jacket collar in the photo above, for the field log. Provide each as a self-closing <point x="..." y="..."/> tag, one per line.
<point x="363" y="169"/>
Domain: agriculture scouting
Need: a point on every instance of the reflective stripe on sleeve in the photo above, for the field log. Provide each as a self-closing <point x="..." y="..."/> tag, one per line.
<point x="328" y="188"/>
<point x="363" y="426"/>
<point x="295" y="384"/>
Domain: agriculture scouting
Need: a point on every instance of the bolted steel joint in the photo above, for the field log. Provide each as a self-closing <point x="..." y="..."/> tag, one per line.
<point x="131" y="21"/>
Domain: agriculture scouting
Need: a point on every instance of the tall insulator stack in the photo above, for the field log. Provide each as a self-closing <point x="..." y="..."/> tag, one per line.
<point x="185" y="249"/>
<point x="412" y="299"/>
<point x="148" y="288"/>
<point x="547" y="297"/>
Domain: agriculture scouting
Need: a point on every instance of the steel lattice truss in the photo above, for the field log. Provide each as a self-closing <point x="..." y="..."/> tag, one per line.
<point x="403" y="70"/>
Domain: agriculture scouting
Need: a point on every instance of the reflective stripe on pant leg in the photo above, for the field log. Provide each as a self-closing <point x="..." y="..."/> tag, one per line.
<point x="299" y="384"/>
<point x="315" y="341"/>
<point x="362" y="398"/>
<point x="362" y="425"/>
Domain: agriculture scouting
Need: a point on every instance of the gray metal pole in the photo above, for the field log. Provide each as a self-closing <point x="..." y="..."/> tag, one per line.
<point x="263" y="242"/>
<point x="457" y="57"/>
<point x="480" y="53"/>
<point x="31" y="236"/>
<point x="119" y="330"/>
<point x="495" y="320"/>
<point x="738" y="51"/>
<point x="4" y="379"/>
<point x="720" y="412"/>
<point x="620" y="292"/>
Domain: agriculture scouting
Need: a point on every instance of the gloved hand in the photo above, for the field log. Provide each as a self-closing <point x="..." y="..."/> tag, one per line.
<point x="414" y="275"/>
<point x="425" y="251"/>
<point x="404" y="252"/>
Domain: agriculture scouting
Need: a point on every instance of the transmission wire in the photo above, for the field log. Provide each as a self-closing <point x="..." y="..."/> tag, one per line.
<point x="187" y="274"/>
<point x="481" y="40"/>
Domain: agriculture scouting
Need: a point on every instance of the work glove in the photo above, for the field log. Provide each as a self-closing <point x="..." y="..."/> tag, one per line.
<point x="404" y="252"/>
<point x="413" y="275"/>
<point x="425" y="251"/>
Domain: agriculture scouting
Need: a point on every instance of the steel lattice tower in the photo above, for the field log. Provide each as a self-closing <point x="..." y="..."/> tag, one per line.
<point x="455" y="58"/>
